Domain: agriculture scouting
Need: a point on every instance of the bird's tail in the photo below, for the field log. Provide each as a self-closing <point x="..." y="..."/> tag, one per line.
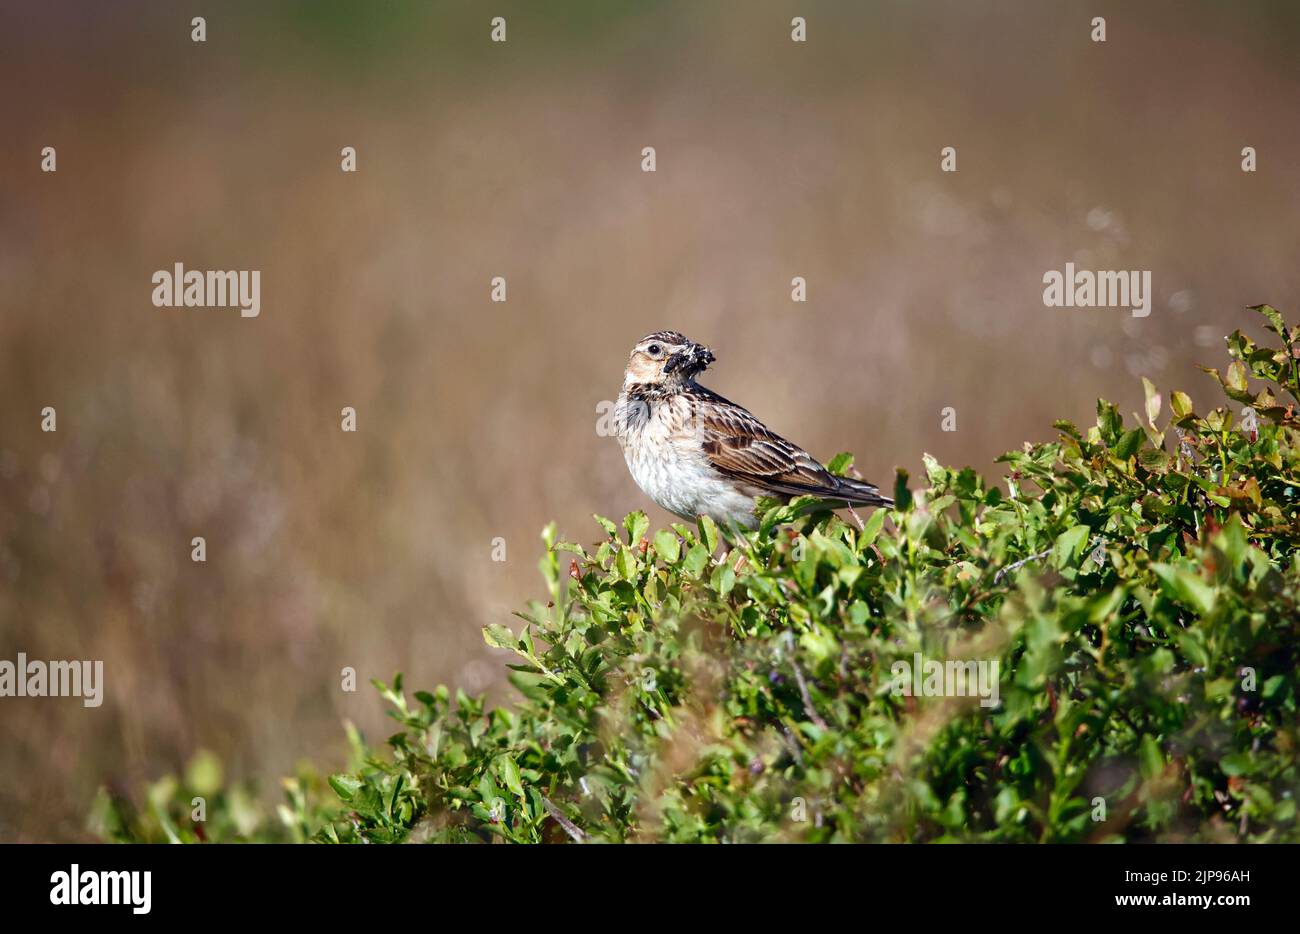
<point x="857" y="493"/>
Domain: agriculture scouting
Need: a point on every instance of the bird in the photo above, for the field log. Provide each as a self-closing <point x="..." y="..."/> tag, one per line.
<point x="697" y="454"/>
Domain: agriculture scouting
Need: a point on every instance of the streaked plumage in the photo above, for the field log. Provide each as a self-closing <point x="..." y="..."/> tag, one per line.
<point x="695" y="453"/>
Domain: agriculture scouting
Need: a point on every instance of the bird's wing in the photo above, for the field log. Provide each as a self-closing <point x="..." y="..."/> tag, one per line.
<point x="742" y="448"/>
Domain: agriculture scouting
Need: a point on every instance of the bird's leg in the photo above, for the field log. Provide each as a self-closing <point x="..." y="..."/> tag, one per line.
<point x="735" y="533"/>
<point x="726" y="543"/>
<point x="729" y="535"/>
<point x="861" y="528"/>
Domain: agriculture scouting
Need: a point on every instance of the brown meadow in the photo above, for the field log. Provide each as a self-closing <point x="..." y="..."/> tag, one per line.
<point x="477" y="420"/>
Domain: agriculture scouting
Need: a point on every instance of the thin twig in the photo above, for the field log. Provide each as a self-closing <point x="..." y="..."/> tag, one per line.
<point x="569" y="826"/>
<point x="792" y="744"/>
<point x="807" y="698"/>
<point x="856" y="517"/>
<point x="1245" y="817"/>
<point x="1002" y="572"/>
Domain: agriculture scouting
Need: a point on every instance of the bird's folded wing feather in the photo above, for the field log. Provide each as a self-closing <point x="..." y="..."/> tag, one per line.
<point x="741" y="447"/>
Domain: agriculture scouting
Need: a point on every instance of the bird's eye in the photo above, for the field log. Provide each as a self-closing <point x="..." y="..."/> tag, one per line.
<point x="654" y="350"/>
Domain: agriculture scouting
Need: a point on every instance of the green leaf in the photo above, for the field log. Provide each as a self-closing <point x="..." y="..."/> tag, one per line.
<point x="626" y="564"/>
<point x="203" y="773"/>
<point x="610" y="528"/>
<point x="637" y="525"/>
<point x="696" y="559"/>
<point x="1185" y="587"/>
<point x="1070" y="544"/>
<point x="840" y="463"/>
<point x="499" y="637"/>
<point x="1129" y="443"/>
<point x="668" y="546"/>
<point x="1109" y="421"/>
<point x="345" y="786"/>
<point x="1152" y="401"/>
<point x="1151" y="760"/>
<point x="871" y="529"/>
<point x="1237" y="763"/>
<point x="1235" y="380"/>
<point x="1068" y="427"/>
<point x="1276" y="324"/>
<point x="1232" y="541"/>
<point x="509" y="774"/>
<point x="935" y="472"/>
<point x="723" y="579"/>
<point x="902" y="495"/>
<point x="772" y="512"/>
<point x="709" y="533"/>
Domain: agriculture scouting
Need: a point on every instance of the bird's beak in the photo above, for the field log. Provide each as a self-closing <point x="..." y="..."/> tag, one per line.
<point x="693" y="359"/>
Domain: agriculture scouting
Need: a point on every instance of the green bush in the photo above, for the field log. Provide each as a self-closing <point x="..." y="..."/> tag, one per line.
<point x="1137" y="586"/>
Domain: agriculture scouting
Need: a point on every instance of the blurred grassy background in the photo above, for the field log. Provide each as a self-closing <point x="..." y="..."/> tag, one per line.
<point x="477" y="420"/>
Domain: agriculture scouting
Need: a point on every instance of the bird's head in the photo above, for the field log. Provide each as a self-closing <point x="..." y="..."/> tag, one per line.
<point x="666" y="357"/>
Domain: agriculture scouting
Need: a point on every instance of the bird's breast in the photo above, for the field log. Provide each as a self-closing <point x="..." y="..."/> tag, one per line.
<point x="664" y="455"/>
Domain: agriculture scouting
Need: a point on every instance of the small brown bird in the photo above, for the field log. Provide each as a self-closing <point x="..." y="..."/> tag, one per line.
<point x="696" y="453"/>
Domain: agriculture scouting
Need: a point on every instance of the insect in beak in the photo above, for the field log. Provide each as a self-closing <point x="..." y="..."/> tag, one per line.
<point x="693" y="359"/>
